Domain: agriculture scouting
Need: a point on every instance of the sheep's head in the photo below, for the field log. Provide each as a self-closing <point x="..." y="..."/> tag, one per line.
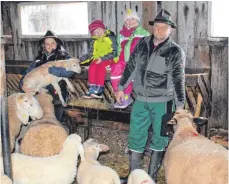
<point x="93" y="146"/>
<point x="74" y="65"/>
<point x="27" y="105"/>
<point x="180" y="114"/>
<point x="185" y="115"/>
<point x="75" y="140"/>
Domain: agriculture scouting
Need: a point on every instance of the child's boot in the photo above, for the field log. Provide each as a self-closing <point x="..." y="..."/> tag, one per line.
<point x="91" y="90"/>
<point x="98" y="93"/>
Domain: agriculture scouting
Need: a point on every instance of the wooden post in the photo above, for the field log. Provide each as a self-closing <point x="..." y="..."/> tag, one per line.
<point x="149" y="12"/>
<point x="4" y="116"/>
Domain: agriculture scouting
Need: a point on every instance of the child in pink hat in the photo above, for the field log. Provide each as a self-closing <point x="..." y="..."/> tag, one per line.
<point x="103" y="48"/>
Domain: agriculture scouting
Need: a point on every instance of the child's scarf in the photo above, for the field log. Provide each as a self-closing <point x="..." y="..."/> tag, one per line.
<point x="126" y="32"/>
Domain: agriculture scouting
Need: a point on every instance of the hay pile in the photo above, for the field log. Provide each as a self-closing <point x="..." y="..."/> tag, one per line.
<point x="161" y="176"/>
<point x="90" y="103"/>
<point x="120" y="163"/>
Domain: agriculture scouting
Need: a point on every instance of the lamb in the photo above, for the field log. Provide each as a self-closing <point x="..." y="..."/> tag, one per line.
<point x="44" y="137"/>
<point x="58" y="169"/>
<point x="139" y="176"/>
<point x="21" y="106"/>
<point x="192" y="158"/>
<point x="90" y="171"/>
<point x="34" y="80"/>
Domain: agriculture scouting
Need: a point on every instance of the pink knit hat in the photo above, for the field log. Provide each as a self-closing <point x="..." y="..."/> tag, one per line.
<point x="96" y="24"/>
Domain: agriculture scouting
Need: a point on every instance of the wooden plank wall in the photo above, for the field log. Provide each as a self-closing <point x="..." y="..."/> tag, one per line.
<point x="219" y="85"/>
<point x="191" y="18"/>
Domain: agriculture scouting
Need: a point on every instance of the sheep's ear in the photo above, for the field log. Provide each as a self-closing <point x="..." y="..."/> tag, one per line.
<point x="173" y="121"/>
<point x="200" y="121"/>
<point x="79" y="138"/>
<point x="81" y="152"/>
<point x="23" y="115"/>
<point x="103" y="147"/>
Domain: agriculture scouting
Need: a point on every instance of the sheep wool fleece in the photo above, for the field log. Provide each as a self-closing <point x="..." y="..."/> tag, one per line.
<point x="142" y="116"/>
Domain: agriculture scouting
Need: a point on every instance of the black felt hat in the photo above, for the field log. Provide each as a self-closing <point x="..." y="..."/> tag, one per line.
<point x="165" y="17"/>
<point x="50" y="34"/>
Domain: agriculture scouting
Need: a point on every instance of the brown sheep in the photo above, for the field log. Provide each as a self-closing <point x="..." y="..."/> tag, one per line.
<point x="46" y="136"/>
<point x="192" y="158"/>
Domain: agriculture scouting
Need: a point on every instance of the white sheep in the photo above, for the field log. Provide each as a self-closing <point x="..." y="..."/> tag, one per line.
<point x="192" y="158"/>
<point x="5" y="179"/>
<point x="90" y="171"/>
<point x="21" y="106"/>
<point x="44" y="137"/>
<point x="57" y="169"/>
<point x="34" y="79"/>
<point x="139" y="176"/>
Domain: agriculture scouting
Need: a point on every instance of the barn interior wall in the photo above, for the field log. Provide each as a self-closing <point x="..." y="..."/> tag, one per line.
<point x="190" y="17"/>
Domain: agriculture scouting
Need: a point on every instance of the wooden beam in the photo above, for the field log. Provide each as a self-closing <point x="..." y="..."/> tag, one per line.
<point x="198" y="105"/>
<point x="97" y="114"/>
<point x="205" y="92"/>
<point x="6" y="39"/>
<point x="149" y="9"/>
<point x="190" y="98"/>
<point x="4" y="127"/>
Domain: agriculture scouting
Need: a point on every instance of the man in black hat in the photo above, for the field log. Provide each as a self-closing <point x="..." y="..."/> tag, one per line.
<point x="51" y="49"/>
<point x="157" y="68"/>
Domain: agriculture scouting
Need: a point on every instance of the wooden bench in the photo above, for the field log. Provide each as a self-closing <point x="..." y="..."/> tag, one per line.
<point x="197" y="96"/>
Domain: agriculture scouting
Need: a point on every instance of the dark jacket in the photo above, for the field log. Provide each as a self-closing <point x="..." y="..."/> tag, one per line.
<point x="104" y="47"/>
<point x="158" y="74"/>
<point x="42" y="58"/>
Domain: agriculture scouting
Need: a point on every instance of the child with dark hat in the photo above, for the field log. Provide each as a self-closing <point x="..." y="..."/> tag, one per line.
<point x="51" y="49"/>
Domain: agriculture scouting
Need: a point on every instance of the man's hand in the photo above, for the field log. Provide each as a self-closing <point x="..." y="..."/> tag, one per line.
<point x="120" y="97"/>
<point x="98" y="61"/>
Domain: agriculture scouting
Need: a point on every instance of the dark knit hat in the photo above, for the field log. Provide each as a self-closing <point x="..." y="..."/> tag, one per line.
<point x="50" y="34"/>
<point x="96" y="24"/>
<point x="165" y="17"/>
